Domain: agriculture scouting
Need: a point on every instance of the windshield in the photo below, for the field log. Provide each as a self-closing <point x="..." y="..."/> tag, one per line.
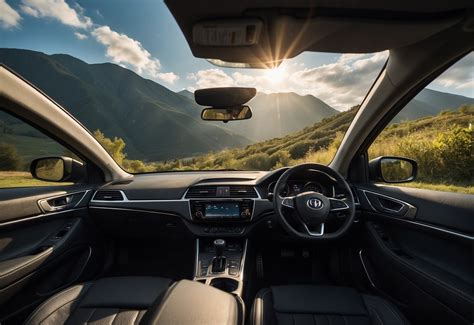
<point x="129" y="77"/>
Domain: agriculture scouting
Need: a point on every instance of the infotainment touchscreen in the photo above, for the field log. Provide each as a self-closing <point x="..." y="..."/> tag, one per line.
<point x="224" y="209"/>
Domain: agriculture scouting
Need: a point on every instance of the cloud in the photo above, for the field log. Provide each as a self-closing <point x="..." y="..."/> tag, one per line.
<point x="29" y="11"/>
<point x="169" y="77"/>
<point x="460" y="76"/>
<point x="191" y="76"/>
<point x="125" y="50"/>
<point x="58" y="10"/>
<point x="342" y="84"/>
<point x="212" y="78"/>
<point x="244" y="80"/>
<point x="80" y="36"/>
<point x="9" y="18"/>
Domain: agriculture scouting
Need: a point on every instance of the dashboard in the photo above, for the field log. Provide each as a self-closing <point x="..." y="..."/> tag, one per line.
<point x="227" y="203"/>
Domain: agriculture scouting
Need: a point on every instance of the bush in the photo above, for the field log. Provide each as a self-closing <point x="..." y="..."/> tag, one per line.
<point x="9" y="158"/>
<point x="114" y="147"/>
<point x="299" y="149"/>
<point x="258" y="161"/>
<point x="280" y="158"/>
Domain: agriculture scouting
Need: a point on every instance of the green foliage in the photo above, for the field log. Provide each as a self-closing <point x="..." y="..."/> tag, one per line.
<point x="299" y="149"/>
<point x="442" y="146"/>
<point x="9" y="158"/>
<point x="114" y="147"/>
<point x="280" y="159"/>
<point x="258" y="161"/>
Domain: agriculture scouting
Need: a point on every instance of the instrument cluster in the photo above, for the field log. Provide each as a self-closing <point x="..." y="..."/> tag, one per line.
<point x="295" y="187"/>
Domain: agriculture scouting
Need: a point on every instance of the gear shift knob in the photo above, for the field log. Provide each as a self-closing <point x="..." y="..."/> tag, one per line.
<point x="219" y="246"/>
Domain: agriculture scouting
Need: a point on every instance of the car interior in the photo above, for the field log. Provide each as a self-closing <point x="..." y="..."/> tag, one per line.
<point x="343" y="243"/>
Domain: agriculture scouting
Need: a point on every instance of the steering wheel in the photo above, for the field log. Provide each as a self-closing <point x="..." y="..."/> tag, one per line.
<point x="311" y="210"/>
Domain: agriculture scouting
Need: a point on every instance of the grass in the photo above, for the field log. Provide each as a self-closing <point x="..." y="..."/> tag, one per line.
<point x="22" y="179"/>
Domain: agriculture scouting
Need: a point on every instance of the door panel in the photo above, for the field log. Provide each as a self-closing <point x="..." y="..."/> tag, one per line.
<point x="43" y="250"/>
<point x="422" y="261"/>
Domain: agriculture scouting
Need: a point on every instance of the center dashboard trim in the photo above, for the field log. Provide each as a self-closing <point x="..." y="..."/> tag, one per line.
<point x="183" y="198"/>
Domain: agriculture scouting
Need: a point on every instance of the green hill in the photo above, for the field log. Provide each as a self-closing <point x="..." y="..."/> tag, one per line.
<point x="441" y="144"/>
<point x="120" y="103"/>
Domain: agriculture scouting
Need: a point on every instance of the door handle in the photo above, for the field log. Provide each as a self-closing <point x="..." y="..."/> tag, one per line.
<point x="55" y="204"/>
<point x="383" y="203"/>
<point x="61" y="202"/>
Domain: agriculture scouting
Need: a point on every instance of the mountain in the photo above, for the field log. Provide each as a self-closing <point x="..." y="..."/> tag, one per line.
<point x="277" y="114"/>
<point x="430" y="103"/>
<point x="159" y="124"/>
<point x="120" y="103"/>
<point x="186" y="93"/>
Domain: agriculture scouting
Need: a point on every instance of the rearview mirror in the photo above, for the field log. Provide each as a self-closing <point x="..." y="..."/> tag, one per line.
<point x="57" y="169"/>
<point x="393" y="169"/>
<point x="226" y="114"/>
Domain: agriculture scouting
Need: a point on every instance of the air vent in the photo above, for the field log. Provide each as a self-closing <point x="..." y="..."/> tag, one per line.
<point x="243" y="192"/>
<point x="201" y="192"/>
<point x="108" y="196"/>
<point x="222" y="191"/>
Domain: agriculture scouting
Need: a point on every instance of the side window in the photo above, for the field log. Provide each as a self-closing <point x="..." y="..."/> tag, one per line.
<point x="436" y="129"/>
<point x="20" y="144"/>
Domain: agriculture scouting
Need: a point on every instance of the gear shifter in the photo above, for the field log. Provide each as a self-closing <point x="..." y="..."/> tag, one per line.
<point x="218" y="264"/>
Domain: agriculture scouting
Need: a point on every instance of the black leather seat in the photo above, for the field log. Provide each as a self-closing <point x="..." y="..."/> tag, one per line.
<point x="118" y="300"/>
<point x="318" y="305"/>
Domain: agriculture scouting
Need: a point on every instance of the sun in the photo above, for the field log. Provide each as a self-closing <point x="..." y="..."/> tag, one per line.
<point x="276" y="75"/>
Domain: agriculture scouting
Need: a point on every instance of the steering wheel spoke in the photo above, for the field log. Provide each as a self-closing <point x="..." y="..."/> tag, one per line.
<point x="338" y="205"/>
<point x="317" y="232"/>
<point x="288" y="202"/>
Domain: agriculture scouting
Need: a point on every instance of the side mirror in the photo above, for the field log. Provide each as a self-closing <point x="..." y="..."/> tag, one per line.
<point x="393" y="169"/>
<point x="226" y="114"/>
<point x="57" y="169"/>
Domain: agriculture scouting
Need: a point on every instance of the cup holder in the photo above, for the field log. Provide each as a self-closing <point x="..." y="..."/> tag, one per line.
<point x="225" y="284"/>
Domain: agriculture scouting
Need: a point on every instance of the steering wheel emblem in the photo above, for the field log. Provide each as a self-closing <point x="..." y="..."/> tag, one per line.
<point x="314" y="203"/>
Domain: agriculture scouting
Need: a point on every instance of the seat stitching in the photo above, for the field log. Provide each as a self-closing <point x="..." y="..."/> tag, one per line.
<point x="136" y="317"/>
<point x="344" y="319"/>
<point x="115" y="316"/>
<point x="90" y="316"/>
<point x="371" y="307"/>
<point x="329" y="319"/>
<point x="392" y="311"/>
<point x="261" y="305"/>
<point x="40" y="307"/>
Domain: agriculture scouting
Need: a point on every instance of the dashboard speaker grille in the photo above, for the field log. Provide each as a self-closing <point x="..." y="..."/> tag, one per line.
<point x="108" y="196"/>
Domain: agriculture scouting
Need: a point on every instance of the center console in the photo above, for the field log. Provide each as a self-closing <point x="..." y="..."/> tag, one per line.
<point x="220" y="263"/>
<point x="221" y="210"/>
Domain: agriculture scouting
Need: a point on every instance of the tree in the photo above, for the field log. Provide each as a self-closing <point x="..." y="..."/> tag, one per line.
<point x="9" y="158"/>
<point x="114" y="147"/>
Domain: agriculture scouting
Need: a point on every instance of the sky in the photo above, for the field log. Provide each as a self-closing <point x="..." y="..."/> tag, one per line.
<point x="142" y="36"/>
